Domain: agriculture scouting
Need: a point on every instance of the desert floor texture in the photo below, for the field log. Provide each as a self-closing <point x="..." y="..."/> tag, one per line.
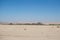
<point x="29" y="32"/>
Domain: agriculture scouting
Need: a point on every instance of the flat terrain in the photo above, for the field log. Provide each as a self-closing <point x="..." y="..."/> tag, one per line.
<point x="29" y="32"/>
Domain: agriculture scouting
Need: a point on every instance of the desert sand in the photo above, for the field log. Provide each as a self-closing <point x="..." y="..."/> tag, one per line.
<point x="29" y="32"/>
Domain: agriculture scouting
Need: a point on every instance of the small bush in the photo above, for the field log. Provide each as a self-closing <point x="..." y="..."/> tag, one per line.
<point x="58" y="26"/>
<point x="10" y="23"/>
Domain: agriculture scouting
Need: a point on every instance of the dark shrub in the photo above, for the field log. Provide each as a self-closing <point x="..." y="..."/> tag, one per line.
<point x="10" y="23"/>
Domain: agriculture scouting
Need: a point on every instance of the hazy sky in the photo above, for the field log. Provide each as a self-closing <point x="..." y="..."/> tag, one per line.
<point x="30" y="10"/>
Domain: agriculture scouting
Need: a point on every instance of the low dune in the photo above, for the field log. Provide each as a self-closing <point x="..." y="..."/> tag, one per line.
<point x="29" y="32"/>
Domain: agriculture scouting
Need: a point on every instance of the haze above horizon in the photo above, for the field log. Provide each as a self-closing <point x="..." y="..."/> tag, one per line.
<point x="30" y="10"/>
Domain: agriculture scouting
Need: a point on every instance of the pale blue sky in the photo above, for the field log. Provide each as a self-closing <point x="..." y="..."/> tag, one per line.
<point x="30" y="10"/>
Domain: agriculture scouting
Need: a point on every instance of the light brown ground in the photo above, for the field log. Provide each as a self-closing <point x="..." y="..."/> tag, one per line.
<point x="29" y="32"/>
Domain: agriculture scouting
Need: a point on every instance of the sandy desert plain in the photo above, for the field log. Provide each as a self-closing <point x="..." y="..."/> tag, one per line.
<point x="29" y="32"/>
